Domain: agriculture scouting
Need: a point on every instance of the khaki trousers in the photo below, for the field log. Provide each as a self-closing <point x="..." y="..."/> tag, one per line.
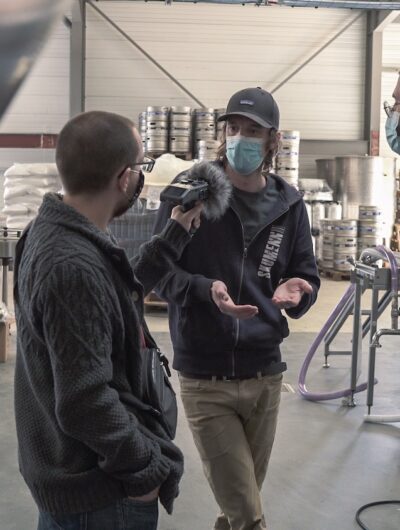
<point x="233" y="424"/>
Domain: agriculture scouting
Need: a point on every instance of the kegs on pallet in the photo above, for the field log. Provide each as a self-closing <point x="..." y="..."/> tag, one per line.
<point x="204" y="126"/>
<point x="346" y="227"/>
<point x="370" y="213"/>
<point x="207" y="149"/>
<point x="328" y="236"/>
<point x="290" y="175"/>
<point x="345" y="247"/>
<point x="180" y="130"/>
<point x="143" y="127"/>
<point x="345" y="244"/>
<point x="157" y="123"/>
<point x="327" y="250"/>
<point x="287" y="158"/>
<point x="368" y="242"/>
<point x="370" y="227"/>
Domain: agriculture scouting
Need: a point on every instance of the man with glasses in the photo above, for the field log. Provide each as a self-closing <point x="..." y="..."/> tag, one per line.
<point x="88" y="461"/>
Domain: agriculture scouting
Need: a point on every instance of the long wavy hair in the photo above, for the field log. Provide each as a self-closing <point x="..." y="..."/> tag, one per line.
<point x="271" y="146"/>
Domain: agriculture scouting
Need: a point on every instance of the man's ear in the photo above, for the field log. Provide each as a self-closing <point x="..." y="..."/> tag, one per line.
<point x="123" y="181"/>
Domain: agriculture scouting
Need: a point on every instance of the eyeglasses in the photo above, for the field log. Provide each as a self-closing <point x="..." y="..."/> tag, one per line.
<point x="147" y="164"/>
<point x="139" y="186"/>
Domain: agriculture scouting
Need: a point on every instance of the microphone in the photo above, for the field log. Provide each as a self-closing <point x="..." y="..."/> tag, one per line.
<point x="205" y="182"/>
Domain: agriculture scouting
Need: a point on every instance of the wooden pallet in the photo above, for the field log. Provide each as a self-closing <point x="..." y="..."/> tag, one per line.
<point x="337" y="276"/>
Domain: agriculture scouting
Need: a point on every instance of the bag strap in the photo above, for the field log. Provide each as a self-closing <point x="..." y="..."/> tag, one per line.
<point x="162" y="358"/>
<point x="142" y="338"/>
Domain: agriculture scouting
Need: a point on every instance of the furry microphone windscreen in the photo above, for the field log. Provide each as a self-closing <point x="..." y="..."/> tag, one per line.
<point x="219" y="188"/>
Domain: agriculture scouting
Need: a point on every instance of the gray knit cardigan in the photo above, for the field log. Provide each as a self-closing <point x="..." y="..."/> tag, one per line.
<point x="79" y="306"/>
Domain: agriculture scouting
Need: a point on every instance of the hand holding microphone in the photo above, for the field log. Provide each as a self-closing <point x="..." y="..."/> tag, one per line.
<point x="204" y="182"/>
<point x="190" y="220"/>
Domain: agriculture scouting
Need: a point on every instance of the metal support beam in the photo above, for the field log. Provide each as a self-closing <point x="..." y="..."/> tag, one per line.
<point x="316" y="53"/>
<point x="77" y="58"/>
<point x="376" y="23"/>
<point x="148" y="56"/>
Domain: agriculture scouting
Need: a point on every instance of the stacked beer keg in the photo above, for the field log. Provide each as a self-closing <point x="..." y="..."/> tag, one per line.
<point x="328" y="237"/>
<point x="207" y="149"/>
<point x="180" y="130"/>
<point x="369" y="227"/>
<point x="143" y="128"/>
<point x="219" y="124"/>
<point x="157" y="123"/>
<point x="287" y="158"/>
<point x="204" y="128"/>
<point x="344" y="244"/>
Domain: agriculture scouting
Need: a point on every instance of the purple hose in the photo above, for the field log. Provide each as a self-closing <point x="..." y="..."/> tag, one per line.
<point x="312" y="396"/>
<point x="393" y="266"/>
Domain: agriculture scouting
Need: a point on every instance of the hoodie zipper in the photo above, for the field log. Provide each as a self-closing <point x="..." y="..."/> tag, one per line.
<point x="244" y="256"/>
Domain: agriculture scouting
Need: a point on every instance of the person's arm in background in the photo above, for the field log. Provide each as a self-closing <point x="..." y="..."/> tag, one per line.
<point x="392" y="129"/>
<point x="299" y="288"/>
<point x="392" y="122"/>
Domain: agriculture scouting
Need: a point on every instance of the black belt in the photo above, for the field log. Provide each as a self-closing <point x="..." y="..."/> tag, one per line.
<point x="258" y="375"/>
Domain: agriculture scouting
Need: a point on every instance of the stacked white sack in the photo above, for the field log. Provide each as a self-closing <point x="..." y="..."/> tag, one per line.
<point x="24" y="187"/>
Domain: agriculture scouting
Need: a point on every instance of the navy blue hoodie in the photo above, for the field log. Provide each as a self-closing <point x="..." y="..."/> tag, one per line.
<point x="205" y="340"/>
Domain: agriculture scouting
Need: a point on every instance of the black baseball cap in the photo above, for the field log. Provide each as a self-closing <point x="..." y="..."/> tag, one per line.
<point x="256" y="104"/>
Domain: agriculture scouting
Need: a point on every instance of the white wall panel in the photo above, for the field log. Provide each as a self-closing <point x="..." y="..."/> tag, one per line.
<point x="214" y="50"/>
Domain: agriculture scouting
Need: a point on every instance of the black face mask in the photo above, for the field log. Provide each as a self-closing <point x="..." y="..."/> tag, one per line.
<point x="130" y="201"/>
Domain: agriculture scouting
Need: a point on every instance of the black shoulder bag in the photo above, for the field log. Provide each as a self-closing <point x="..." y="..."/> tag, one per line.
<point x="157" y="388"/>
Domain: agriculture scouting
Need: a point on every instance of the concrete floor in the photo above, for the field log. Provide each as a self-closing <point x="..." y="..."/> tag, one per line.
<point x="325" y="464"/>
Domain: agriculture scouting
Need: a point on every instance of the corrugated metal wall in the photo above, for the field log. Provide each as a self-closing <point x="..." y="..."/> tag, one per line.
<point x="215" y="50"/>
<point x="390" y="60"/>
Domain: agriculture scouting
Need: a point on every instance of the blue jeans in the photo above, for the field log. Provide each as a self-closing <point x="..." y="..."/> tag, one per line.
<point x="125" y="514"/>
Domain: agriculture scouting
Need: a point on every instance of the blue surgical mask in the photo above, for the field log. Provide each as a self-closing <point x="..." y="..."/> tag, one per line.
<point x="392" y="137"/>
<point x="244" y="154"/>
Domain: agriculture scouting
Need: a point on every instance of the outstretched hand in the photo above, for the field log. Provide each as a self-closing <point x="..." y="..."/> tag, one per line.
<point x="289" y="293"/>
<point x="221" y="298"/>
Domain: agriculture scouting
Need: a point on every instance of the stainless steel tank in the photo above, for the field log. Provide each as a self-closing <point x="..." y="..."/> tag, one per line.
<point x="368" y="181"/>
<point x="326" y="170"/>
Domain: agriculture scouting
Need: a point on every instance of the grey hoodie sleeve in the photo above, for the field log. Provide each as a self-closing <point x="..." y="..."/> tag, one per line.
<point x="157" y="257"/>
